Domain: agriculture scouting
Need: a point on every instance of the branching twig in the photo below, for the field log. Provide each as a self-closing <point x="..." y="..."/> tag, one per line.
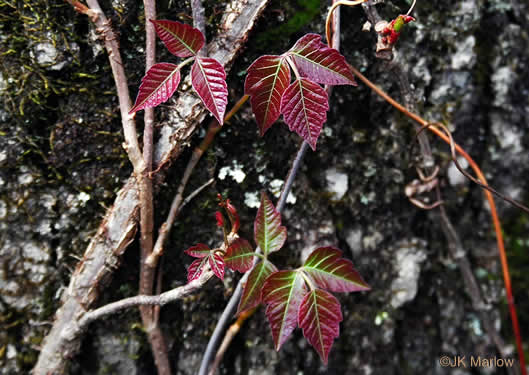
<point x="490" y="200"/>
<point x="229" y="310"/>
<point x="468" y="175"/>
<point x="118" y="228"/>
<point x="142" y="300"/>
<point x="149" y="315"/>
<point x="129" y="126"/>
<point x="177" y="204"/>
<point x="426" y="152"/>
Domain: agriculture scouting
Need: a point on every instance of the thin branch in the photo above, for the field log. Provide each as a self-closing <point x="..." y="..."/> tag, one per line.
<point x="468" y="175"/>
<point x="335" y="5"/>
<point x="165" y="229"/>
<point x="199" y="20"/>
<point x="147" y="275"/>
<point x="150" y="60"/>
<point x="222" y="323"/>
<point x="490" y="200"/>
<point x="457" y="252"/>
<point x="112" y="46"/>
<point x="229" y="310"/>
<point x="291" y="176"/>
<point x="228" y="337"/>
<point x="148" y="271"/>
<point x="142" y="300"/>
<point x="197" y="191"/>
<point x="119" y="226"/>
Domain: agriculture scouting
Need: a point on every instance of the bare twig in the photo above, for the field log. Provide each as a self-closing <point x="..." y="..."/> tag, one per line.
<point x="145" y="300"/>
<point x="229" y="310"/>
<point x="480" y="177"/>
<point x="457" y="252"/>
<point x="129" y="126"/>
<point x="199" y="20"/>
<point x="228" y="337"/>
<point x="176" y="205"/>
<point x="165" y="229"/>
<point x="150" y="60"/>
<point x="117" y="230"/>
<point x="468" y="175"/>
<point x="451" y="234"/>
<point x="147" y="271"/>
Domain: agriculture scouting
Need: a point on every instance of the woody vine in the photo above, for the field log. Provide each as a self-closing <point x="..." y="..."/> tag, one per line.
<point x="293" y="297"/>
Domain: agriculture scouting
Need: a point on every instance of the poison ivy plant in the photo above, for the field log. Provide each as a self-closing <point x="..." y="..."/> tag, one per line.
<point x="237" y="253"/>
<point x="294" y="298"/>
<point x="392" y="31"/>
<point x="300" y="298"/>
<point x="303" y="103"/>
<point x="208" y="77"/>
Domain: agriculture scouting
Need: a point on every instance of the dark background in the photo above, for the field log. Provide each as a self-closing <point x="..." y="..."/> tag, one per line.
<point x="62" y="163"/>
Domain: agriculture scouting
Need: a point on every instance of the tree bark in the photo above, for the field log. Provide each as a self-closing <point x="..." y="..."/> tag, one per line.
<point x="120" y="224"/>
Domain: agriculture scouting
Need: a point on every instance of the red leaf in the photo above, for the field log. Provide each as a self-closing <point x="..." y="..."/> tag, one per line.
<point x="180" y="39"/>
<point x="251" y="295"/>
<point x="304" y="106"/>
<point x="209" y="81"/>
<point x="157" y="86"/>
<point x="239" y="255"/>
<point x="196" y="268"/>
<point x="267" y="80"/>
<point x="320" y="316"/>
<point x="198" y="251"/>
<point x="220" y="219"/>
<point x="330" y="271"/>
<point x="234" y="216"/>
<point x="216" y="262"/>
<point x="320" y="63"/>
<point x="269" y="234"/>
<point x="283" y="292"/>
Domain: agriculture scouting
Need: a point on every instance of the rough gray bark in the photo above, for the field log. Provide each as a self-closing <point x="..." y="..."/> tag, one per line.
<point x="120" y="224"/>
<point x="468" y="66"/>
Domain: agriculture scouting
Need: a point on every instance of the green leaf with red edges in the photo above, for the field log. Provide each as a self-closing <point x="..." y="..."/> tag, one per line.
<point x="198" y="251"/>
<point x="304" y="106"/>
<point x="330" y="271"/>
<point x="196" y="268"/>
<point x="251" y="295"/>
<point x="216" y="262"/>
<point x="267" y="80"/>
<point x="157" y="86"/>
<point x="239" y="255"/>
<point x="180" y="39"/>
<point x="320" y="316"/>
<point x="320" y="63"/>
<point x="283" y="293"/>
<point x="209" y="81"/>
<point x="269" y="234"/>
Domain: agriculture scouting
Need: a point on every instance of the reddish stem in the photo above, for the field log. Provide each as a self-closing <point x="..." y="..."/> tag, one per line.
<point x="490" y="199"/>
